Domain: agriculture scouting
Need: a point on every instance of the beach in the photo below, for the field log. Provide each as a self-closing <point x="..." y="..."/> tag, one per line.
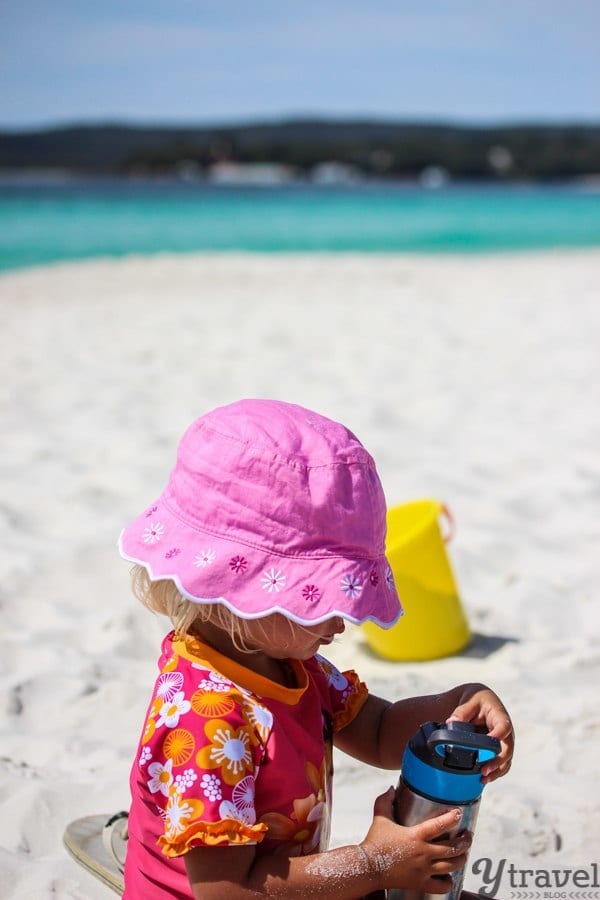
<point x="473" y="380"/>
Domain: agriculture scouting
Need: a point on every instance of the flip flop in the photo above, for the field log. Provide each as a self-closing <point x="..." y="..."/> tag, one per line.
<point x="99" y="845"/>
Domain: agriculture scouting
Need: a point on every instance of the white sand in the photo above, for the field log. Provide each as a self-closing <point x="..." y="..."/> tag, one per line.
<point x="471" y="380"/>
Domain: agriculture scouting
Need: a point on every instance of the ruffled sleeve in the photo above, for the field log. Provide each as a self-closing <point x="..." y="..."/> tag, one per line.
<point x="201" y="752"/>
<point x="347" y="693"/>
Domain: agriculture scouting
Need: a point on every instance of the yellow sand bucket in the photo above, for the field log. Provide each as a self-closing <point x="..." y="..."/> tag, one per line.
<point x="434" y="623"/>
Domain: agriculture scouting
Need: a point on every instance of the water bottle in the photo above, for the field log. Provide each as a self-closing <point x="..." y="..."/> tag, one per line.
<point x="441" y="770"/>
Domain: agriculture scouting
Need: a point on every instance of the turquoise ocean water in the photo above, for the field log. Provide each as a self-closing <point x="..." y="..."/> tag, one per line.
<point x="41" y="223"/>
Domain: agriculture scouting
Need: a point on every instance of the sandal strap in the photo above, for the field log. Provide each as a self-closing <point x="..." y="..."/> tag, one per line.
<point x="115" y="829"/>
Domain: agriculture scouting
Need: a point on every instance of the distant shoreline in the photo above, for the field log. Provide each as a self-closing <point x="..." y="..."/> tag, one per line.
<point x="245" y="177"/>
<point x="362" y="148"/>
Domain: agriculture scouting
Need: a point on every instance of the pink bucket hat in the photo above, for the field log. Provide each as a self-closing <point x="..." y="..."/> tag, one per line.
<point x="271" y="508"/>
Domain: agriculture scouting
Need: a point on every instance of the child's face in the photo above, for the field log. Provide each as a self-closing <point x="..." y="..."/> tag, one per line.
<point x="282" y="639"/>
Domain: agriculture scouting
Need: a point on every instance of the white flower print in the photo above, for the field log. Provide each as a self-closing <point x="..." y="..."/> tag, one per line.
<point x="169" y="684"/>
<point x="273" y="581"/>
<point x="205" y="558"/>
<point x="228" y="810"/>
<point x="351" y="586"/>
<point x="153" y="533"/>
<point x="231" y="752"/>
<point x="185" y="780"/>
<point x="241" y="806"/>
<point x="145" y="755"/>
<point x="259" y="717"/>
<point x="214" y="682"/>
<point x="211" y="787"/>
<point x="177" y="815"/>
<point x="172" y="710"/>
<point x="334" y="677"/>
<point x="161" y="777"/>
<point x="207" y="685"/>
<point x="243" y="793"/>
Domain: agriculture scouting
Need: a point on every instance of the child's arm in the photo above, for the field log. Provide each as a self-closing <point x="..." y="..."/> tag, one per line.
<point x="380" y="731"/>
<point x="389" y="856"/>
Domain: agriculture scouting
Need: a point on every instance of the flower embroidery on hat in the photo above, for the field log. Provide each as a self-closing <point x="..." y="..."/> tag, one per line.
<point x="389" y="578"/>
<point x="351" y="586"/>
<point x="238" y="564"/>
<point x="205" y="558"/>
<point x="273" y="581"/>
<point x="174" y="551"/>
<point x="184" y="534"/>
<point x="153" y="533"/>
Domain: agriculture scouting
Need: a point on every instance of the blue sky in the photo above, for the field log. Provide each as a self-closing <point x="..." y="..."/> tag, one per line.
<point x="208" y="62"/>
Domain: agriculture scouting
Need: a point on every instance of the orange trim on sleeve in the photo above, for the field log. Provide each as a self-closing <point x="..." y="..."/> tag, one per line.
<point x="227" y="831"/>
<point x="355" y="702"/>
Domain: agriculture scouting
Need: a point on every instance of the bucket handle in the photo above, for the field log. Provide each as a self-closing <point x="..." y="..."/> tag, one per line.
<point x="448" y="525"/>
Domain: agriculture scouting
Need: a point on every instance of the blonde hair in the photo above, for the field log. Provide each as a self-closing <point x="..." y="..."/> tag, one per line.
<point x="187" y="617"/>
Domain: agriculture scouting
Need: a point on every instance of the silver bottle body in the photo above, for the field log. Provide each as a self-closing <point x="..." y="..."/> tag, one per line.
<point x="411" y="808"/>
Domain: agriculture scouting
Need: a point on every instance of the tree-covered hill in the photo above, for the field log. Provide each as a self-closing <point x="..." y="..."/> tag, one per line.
<point x="385" y="149"/>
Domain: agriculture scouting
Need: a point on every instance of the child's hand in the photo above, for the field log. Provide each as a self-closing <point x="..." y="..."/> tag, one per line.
<point x="481" y="706"/>
<point x="408" y="857"/>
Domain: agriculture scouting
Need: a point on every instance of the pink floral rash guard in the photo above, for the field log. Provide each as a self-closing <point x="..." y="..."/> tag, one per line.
<point x="229" y="757"/>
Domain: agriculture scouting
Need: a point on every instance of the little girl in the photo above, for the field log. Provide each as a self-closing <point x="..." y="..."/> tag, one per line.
<point x="269" y="535"/>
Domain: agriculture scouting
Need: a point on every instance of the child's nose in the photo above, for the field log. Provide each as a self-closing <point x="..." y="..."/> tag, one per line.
<point x="339" y="626"/>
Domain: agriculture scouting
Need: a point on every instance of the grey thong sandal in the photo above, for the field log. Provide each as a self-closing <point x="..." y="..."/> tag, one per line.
<point x="99" y="845"/>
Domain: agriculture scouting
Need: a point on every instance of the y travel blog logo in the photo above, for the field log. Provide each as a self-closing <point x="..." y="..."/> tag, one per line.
<point x="537" y="884"/>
